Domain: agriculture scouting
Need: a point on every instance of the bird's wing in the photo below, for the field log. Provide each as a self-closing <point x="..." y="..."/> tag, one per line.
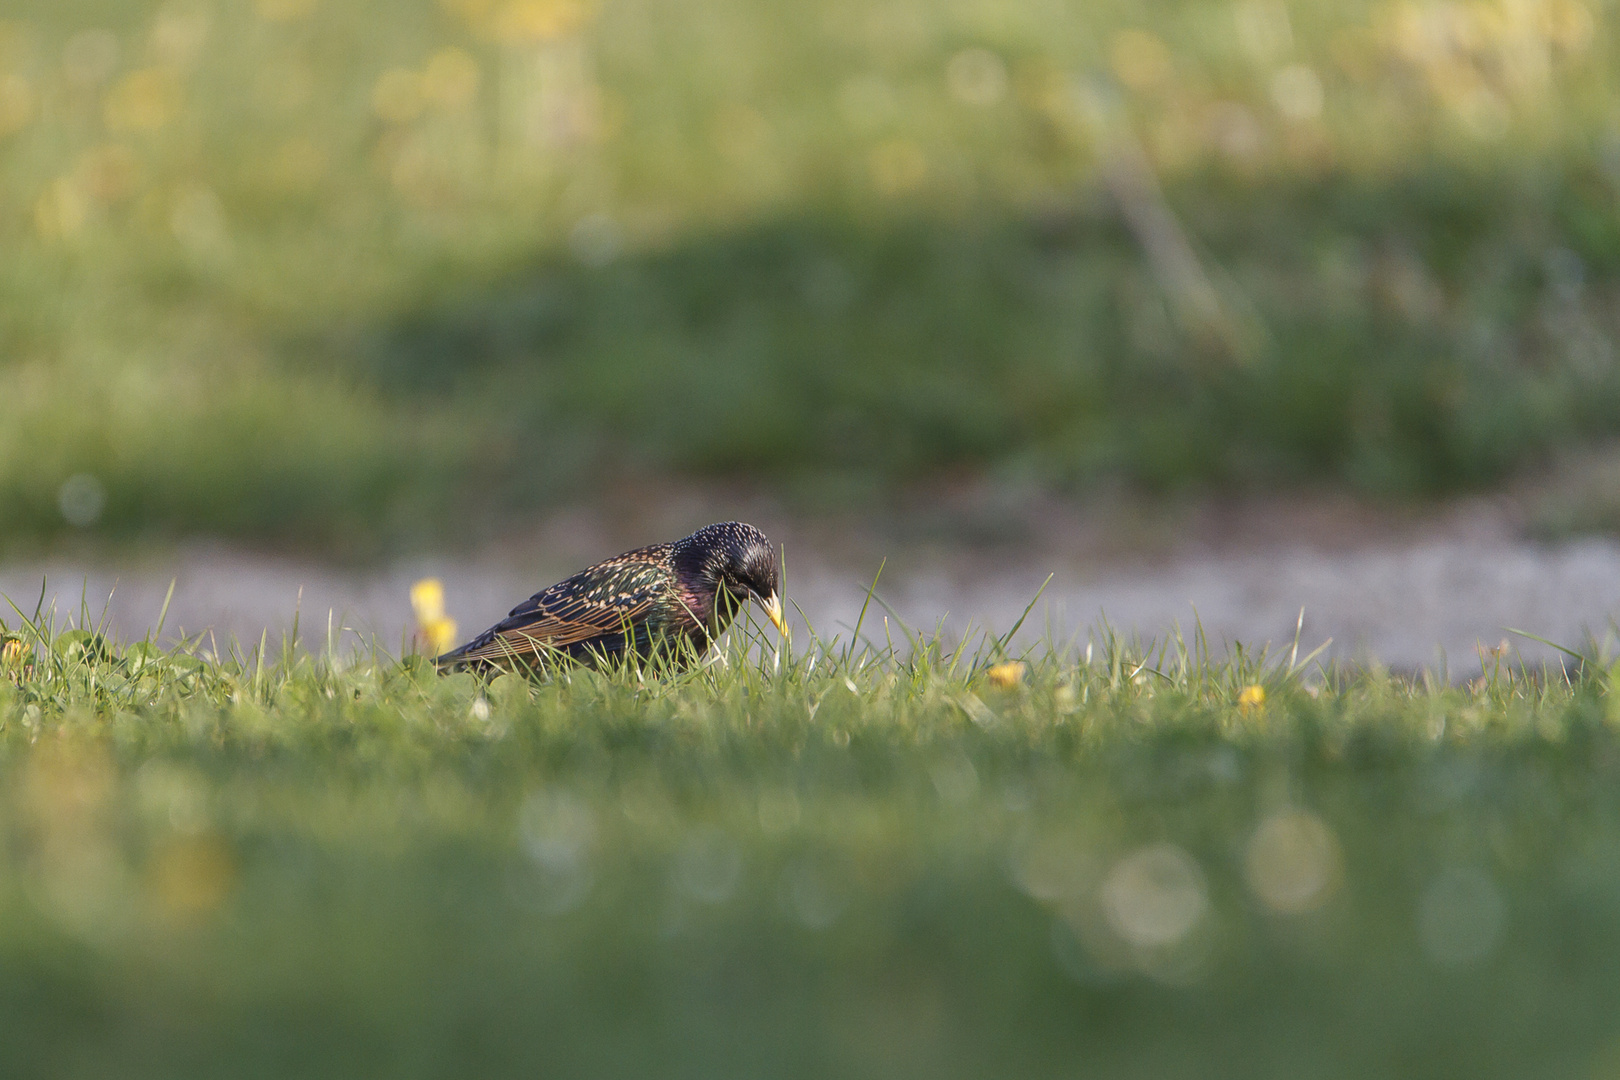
<point x="594" y="603"/>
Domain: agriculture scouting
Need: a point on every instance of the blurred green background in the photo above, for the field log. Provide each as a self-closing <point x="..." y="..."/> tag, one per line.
<point x="348" y="275"/>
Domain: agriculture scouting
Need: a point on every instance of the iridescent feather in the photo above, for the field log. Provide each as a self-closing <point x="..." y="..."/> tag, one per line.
<point x="672" y="599"/>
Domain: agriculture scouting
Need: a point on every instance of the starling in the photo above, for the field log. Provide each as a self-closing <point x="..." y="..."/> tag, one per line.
<point x="663" y="597"/>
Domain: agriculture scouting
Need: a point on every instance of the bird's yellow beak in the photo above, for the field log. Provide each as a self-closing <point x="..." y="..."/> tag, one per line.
<point x="773" y="610"/>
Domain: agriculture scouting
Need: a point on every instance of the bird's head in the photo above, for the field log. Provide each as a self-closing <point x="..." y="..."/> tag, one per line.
<point x="738" y="559"/>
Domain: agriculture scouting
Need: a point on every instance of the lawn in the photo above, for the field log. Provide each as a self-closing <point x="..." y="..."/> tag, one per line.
<point x="355" y="275"/>
<point x="839" y="862"/>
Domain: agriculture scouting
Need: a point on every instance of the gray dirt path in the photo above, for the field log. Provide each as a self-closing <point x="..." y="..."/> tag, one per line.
<point x="1423" y="598"/>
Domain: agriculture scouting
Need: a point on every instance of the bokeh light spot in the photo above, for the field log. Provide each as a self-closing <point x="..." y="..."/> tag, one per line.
<point x="81" y="500"/>
<point x="1153" y="897"/>
<point x="1292" y="862"/>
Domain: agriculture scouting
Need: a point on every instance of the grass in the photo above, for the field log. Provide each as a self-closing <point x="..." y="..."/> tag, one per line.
<point x="850" y="861"/>
<point x="340" y="274"/>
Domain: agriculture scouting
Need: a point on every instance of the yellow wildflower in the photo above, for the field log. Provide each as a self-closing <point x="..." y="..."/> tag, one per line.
<point x="1007" y="674"/>
<point x="435" y="631"/>
<point x="1251" y="697"/>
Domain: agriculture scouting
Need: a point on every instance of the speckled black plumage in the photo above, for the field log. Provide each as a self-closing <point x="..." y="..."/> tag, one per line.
<point x="666" y="596"/>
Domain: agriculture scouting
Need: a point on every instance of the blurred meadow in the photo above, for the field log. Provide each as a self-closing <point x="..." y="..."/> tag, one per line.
<point x="349" y="275"/>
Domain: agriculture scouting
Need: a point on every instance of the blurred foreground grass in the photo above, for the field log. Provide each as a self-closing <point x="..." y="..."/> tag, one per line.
<point x="846" y="864"/>
<point x="340" y="272"/>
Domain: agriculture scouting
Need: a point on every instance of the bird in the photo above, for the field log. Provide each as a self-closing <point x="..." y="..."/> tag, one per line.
<point x="658" y="600"/>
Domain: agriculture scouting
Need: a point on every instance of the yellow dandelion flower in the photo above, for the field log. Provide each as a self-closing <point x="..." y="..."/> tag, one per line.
<point x="437" y="636"/>
<point x="1251" y="697"/>
<point x="427" y="599"/>
<point x="1007" y="674"/>
<point x="435" y="632"/>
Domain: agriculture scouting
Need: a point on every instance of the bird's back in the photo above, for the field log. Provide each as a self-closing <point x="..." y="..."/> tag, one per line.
<point x="623" y="603"/>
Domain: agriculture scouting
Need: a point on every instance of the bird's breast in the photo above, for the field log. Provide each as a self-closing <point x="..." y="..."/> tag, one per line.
<point x="696" y="607"/>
